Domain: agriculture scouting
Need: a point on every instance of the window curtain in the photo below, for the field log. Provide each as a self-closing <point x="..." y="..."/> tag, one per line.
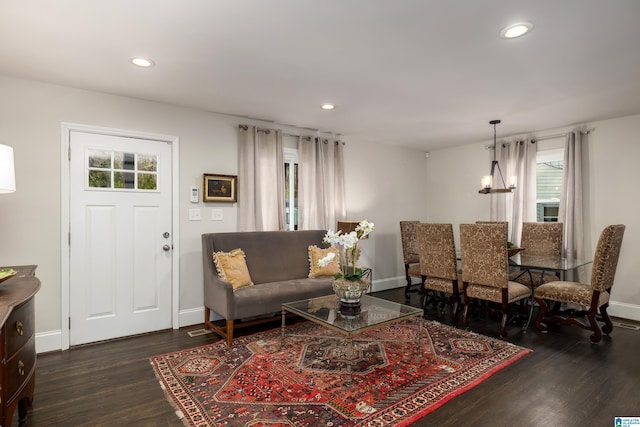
<point x="260" y="179"/>
<point x="321" y="194"/>
<point x="570" y="212"/>
<point x="518" y="159"/>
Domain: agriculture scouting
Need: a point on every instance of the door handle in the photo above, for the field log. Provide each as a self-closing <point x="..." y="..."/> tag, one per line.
<point x="166" y="248"/>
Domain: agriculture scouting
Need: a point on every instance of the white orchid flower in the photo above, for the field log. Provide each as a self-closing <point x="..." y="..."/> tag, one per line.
<point x="323" y="262"/>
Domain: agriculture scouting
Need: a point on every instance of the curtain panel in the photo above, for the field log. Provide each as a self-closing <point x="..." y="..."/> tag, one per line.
<point x="260" y="180"/>
<point x="321" y="193"/>
<point x="518" y="159"/>
<point x="570" y="212"/>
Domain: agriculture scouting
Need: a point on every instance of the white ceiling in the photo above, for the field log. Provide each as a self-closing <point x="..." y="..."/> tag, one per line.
<point x="418" y="73"/>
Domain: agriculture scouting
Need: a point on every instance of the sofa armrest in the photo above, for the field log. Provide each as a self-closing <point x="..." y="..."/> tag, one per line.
<point x="218" y="296"/>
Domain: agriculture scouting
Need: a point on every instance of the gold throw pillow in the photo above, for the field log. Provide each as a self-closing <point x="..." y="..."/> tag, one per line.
<point x="232" y="268"/>
<point x="316" y="254"/>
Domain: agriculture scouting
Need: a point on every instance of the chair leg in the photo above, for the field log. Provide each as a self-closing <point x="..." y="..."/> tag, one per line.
<point x="465" y="310"/>
<point x="408" y="278"/>
<point x="503" y="325"/>
<point x="608" y="325"/>
<point x="454" y="310"/>
<point x="597" y="334"/>
<point x="543" y="311"/>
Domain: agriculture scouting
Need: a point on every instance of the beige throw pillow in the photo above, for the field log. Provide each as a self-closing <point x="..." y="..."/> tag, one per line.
<point x="232" y="268"/>
<point x="316" y="254"/>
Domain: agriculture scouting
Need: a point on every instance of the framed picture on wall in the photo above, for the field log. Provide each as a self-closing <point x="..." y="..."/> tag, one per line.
<point x="219" y="188"/>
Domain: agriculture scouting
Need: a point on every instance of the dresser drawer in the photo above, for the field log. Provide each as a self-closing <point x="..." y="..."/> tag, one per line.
<point x="20" y="368"/>
<point x="19" y="327"/>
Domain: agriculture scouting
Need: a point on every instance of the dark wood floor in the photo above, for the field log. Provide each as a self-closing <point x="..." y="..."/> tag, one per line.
<point x="566" y="381"/>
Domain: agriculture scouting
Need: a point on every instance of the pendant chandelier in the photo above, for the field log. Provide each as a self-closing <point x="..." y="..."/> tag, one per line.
<point x="487" y="181"/>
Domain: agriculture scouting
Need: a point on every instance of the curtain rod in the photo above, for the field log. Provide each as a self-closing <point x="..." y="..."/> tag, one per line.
<point x="542" y="138"/>
<point x="304" y="137"/>
<point x="560" y="135"/>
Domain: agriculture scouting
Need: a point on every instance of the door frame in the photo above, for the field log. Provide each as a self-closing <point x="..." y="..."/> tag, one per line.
<point x="65" y="200"/>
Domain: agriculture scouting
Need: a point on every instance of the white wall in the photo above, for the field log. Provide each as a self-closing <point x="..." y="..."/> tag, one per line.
<point x="611" y="172"/>
<point x="384" y="184"/>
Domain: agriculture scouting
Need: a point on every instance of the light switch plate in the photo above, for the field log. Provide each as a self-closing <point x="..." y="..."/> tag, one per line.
<point x="216" y="214"/>
<point x="194" y="214"/>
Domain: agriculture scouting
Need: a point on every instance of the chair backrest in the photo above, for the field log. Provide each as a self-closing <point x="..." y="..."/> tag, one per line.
<point x="605" y="260"/>
<point x="437" y="251"/>
<point x="484" y="254"/>
<point x="409" y="241"/>
<point x="504" y="223"/>
<point x="542" y="238"/>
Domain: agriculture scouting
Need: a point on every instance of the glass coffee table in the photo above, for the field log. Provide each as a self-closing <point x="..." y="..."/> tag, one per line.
<point x="375" y="312"/>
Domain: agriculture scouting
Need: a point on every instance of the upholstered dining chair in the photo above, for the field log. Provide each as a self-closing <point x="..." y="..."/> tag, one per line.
<point x="438" y="265"/>
<point x="539" y="239"/>
<point x="410" y="254"/>
<point x="485" y="270"/>
<point x="594" y="295"/>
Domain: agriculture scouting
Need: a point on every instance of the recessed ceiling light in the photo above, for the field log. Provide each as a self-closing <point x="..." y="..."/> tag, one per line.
<point x="328" y="106"/>
<point x="516" y="30"/>
<point x="142" y="62"/>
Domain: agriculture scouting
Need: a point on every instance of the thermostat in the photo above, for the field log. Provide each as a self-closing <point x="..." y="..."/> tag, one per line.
<point x="194" y="195"/>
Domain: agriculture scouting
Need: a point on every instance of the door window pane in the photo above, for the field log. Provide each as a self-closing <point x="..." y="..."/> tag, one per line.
<point x="147" y="181"/>
<point x="124" y="168"/>
<point x="99" y="179"/>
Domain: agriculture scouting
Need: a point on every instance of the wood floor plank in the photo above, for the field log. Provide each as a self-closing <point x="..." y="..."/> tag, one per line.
<point x="565" y="380"/>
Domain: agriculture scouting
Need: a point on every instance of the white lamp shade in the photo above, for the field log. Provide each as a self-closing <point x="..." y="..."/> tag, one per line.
<point x="7" y="171"/>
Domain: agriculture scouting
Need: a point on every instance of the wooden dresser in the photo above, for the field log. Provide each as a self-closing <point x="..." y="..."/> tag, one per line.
<point x="17" y="344"/>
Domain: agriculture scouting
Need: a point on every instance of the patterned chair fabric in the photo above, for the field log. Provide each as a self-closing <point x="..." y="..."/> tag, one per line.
<point x="539" y="239"/>
<point x="485" y="269"/>
<point x="594" y="295"/>
<point x="410" y="252"/>
<point x="438" y="264"/>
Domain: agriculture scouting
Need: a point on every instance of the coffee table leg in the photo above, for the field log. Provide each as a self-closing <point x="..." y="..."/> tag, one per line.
<point x="349" y="357"/>
<point x="282" y="330"/>
<point x="419" y="338"/>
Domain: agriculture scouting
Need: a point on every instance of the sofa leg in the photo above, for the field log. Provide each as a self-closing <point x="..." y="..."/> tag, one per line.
<point x="229" y="332"/>
<point x="207" y="317"/>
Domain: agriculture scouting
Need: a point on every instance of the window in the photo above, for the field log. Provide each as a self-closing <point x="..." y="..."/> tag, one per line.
<point x="549" y="165"/>
<point x="291" y="188"/>
<point x="112" y="170"/>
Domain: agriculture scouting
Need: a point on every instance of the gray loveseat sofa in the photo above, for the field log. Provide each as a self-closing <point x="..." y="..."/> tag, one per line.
<point x="278" y="263"/>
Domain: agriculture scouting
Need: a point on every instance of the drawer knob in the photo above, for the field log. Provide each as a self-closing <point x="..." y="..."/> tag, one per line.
<point x="19" y="327"/>
<point x="20" y="367"/>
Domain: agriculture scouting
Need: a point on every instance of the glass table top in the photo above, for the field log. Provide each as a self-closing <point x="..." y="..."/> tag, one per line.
<point x="374" y="312"/>
<point x="546" y="263"/>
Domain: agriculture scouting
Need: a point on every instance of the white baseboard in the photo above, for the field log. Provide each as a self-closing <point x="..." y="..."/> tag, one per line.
<point x="191" y="316"/>
<point x="52" y="340"/>
<point x="48" y="341"/>
<point x="388" y="283"/>
<point x="624" y="310"/>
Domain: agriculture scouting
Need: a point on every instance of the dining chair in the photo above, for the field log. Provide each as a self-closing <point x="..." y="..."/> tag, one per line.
<point x="438" y="266"/>
<point x="594" y="295"/>
<point x="410" y="254"/>
<point x="539" y="239"/>
<point x="485" y="270"/>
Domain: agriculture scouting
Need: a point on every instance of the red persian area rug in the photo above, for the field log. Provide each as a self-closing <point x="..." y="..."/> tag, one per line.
<point x="256" y="383"/>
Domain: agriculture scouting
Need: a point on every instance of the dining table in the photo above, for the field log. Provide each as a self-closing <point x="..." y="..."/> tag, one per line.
<point x="543" y="264"/>
<point x="547" y="263"/>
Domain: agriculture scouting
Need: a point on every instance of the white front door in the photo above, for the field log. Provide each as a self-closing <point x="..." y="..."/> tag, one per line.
<point x="120" y="236"/>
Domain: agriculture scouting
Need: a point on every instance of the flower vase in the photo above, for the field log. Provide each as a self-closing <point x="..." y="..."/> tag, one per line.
<point x="349" y="293"/>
